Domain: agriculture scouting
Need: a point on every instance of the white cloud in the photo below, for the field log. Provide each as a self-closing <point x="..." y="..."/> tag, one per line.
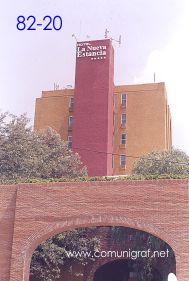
<point x="171" y="65"/>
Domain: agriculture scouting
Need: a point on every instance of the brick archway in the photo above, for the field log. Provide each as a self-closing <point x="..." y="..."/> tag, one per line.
<point x="76" y="222"/>
<point x="37" y="212"/>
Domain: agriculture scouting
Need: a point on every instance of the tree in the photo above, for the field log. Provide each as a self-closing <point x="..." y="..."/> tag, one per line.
<point x="163" y="162"/>
<point x="51" y="257"/>
<point x="27" y="154"/>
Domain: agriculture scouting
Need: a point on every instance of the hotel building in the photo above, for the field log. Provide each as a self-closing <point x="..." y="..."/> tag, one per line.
<point x="108" y="126"/>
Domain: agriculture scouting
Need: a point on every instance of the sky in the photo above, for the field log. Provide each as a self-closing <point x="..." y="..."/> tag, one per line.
<point x="155" y="38"/>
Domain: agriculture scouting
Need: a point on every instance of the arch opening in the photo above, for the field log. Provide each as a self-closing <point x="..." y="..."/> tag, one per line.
<point x="103" y="240"/>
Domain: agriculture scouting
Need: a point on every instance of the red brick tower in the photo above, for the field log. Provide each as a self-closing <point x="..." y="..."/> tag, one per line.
<point x="93" y="106"/>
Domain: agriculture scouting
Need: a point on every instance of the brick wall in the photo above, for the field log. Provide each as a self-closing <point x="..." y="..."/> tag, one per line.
<point x="7" y="216"/>
<point x="158" y="207"/>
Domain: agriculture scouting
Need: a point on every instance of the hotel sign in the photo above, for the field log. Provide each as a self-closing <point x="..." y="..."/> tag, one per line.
<point x="93" y="52"/>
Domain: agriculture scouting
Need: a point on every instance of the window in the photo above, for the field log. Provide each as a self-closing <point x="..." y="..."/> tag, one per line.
<point x="123" y="160"/>
<point x="123" y="100"/>
<point x="70" y="121"/>
<point x="69" y="141"/>
<point x="123" y="119"/>
<point x="71" y="103"/>
<point x="123" y="138"/>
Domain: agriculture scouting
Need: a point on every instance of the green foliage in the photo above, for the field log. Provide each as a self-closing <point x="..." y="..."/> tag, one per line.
<point x="50" y="256"/>
<point x="174" y="162"/>
<point x="142" y="241"/>
<point x="92" y="179"/>
<point x="26" y="154"/>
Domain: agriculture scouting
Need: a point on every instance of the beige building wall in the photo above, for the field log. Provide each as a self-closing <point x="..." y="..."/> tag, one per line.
<point x="147" y="123"/>
<point x="52" y="110"/>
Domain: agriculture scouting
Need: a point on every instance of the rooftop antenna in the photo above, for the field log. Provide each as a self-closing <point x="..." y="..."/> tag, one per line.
<point x="80" y="28"/>
<point x="56" y="87"/>
<point x="106" y="36"/>
<point x="106" y="33"/>
<point x="118" y="41"/>
<point x="73" y="35"/>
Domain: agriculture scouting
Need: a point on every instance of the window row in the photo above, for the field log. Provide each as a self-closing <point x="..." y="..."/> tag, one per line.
<point x="122" y="136"/>
<point x="123" y="120"/>
<point x="122" y="156"/>
<point x="122" y="139"/>
<point x="123" y="101"/>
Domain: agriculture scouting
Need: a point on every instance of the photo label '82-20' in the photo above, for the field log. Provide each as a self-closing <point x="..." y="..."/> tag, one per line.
<point x="31" y="23"/>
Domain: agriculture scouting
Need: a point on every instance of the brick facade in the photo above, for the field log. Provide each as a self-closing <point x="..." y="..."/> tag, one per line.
<point x="29" y="214"/>
<point x="93" y="109"/>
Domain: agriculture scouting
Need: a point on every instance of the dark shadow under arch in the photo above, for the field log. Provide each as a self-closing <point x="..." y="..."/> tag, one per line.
<point x="121" y="270"/>
<point x="117" y="270"/>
